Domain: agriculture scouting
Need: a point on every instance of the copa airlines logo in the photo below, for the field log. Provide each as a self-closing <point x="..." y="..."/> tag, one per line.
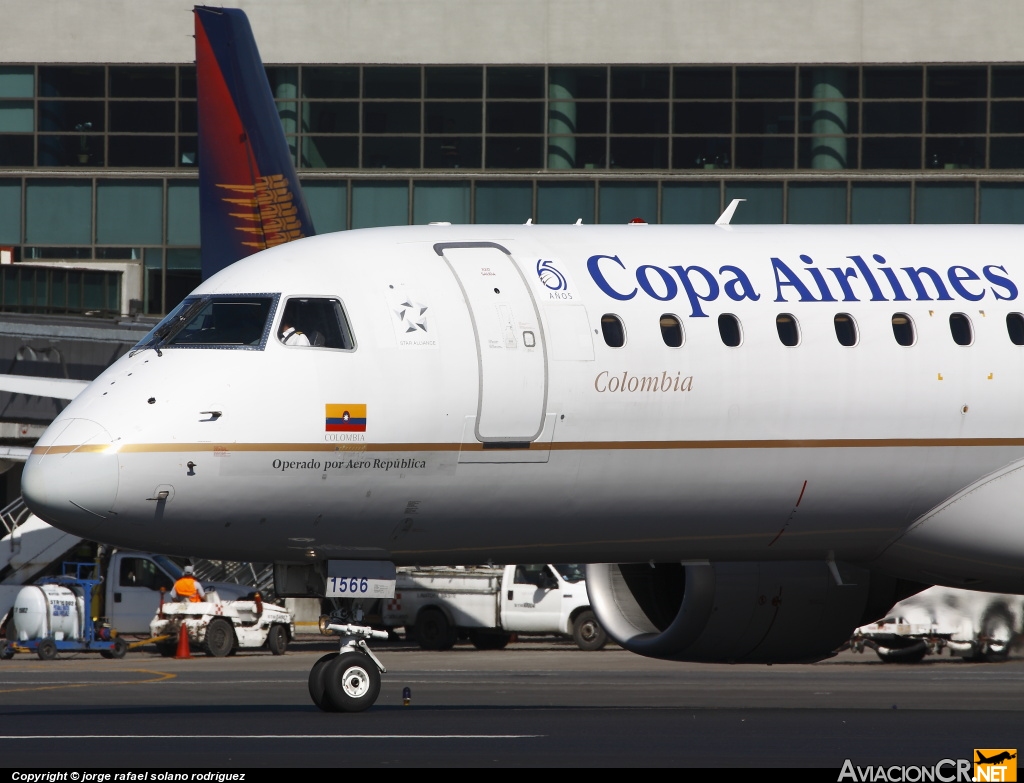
<point x="873" y="280"/>
<point x="550" y="277"/>
<point x="271" y="217"/>
<point x="553" y="280"/>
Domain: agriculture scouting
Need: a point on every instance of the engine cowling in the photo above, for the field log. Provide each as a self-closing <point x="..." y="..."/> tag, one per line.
<point x="767" y="612"/>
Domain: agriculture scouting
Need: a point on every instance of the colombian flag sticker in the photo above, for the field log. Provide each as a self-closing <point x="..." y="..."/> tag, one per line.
<point x="345" y="418"/>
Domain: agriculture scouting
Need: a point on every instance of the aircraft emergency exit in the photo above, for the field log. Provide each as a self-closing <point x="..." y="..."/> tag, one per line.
<point x="764" y="436"/>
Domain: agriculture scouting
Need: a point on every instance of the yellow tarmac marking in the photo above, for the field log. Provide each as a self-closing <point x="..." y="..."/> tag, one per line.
<point x="158" y="677"/>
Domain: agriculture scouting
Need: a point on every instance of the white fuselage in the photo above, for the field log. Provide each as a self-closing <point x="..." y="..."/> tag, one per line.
<point x="500" y="426"/>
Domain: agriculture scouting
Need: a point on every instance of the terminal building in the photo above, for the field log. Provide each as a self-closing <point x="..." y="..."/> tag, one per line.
<point x="410" y="111"/>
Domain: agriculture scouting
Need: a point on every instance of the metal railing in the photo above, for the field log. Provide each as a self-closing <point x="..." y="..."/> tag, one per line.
<point x="14" y="514"/>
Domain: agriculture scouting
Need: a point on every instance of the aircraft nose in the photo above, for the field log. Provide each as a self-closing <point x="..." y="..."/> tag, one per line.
<point x="70" y="480"/>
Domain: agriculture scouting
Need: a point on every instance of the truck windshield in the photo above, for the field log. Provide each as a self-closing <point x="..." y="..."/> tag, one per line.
<point x="571" y="572"/>
<point x="169" y="566"/>
<point x="240" y="321"/>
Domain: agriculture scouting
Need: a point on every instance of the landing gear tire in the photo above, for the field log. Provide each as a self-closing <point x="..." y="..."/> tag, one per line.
<point x="490" y="640"/>
<point x="588" y="633"/>
<point x="996" y="635"/>
<point x="119" y="649"/>
<point x="433" y="631"/>
<point x="277" y="640"/>
<point x="47" y="650"/>
<point x="220" y="638"/>
<point x="318" y="683"/>
<point x="353" y="682"/>
<point x="912" y="654"/>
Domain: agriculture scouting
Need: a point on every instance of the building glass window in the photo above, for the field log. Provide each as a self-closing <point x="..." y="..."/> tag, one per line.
<point x="129" y="212"/>
<point x="504" y="202"/>
<point x="444" y="202"/>
<point x="330" y="82"/>
<point x="512" y="82"/>
<point x="817" y="202"/>
<point x="10" y="212"/>
<point x="945" y="202"/>
<point x="58" y="212"/>
<point x="623" y="201"/>
<point x="565" y="202"/>
<point x="879" y="202"/>
<point x="328" y="205"/>
<point x="691" y="203"/>
<point x="763" y="201"/>
<point x="183" y="274"/>
<point x="183" y="213"/>
<point x="379" y="203"/>
<point x="1001" y="202"/>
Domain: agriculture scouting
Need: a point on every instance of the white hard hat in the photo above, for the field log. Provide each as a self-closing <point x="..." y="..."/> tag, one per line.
<point x="189" y="570"/>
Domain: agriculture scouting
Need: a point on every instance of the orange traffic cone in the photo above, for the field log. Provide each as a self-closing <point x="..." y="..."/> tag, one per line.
<point x="183" y="648"/>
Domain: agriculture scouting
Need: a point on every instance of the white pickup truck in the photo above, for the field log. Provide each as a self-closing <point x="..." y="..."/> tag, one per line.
<point x="488" y="604"/>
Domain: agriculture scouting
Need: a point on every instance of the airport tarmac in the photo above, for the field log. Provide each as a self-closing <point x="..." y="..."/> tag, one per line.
<point x="537" y="703"/>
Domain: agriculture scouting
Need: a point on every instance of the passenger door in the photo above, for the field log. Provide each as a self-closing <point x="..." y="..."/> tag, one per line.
<point x="510" y="343"/>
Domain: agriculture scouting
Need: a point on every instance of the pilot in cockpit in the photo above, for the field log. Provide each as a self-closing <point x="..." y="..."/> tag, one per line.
<point x="289" y="335"/>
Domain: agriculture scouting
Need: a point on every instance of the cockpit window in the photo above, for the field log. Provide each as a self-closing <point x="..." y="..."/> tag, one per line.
<point x="315" y="322"/>
<point x="240" y="321"/>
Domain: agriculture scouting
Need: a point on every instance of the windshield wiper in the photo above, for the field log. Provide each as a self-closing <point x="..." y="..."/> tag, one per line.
<point x="164" y="333"/>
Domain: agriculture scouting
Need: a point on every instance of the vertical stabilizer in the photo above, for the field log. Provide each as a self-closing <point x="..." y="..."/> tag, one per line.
<point x="249" y="196"/>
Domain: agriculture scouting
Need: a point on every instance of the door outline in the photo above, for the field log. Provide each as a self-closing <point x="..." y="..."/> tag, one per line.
<point x="516" y="441"/>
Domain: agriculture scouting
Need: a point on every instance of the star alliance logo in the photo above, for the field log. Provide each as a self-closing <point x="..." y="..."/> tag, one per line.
<point x="413" y="316"/>
<point x="413" y="320"/>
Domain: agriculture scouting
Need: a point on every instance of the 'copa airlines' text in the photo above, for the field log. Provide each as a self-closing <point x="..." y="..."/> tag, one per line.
<point x="861" y="280"/>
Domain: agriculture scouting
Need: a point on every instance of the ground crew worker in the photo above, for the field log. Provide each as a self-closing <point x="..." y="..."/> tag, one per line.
<point x="188" y="588"/>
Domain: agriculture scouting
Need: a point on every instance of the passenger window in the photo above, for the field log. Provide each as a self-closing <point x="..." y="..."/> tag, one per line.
<point x="614" y="332"/>
<point x="960" y="328"/>
<point x="1015" y="328"/>
<point x="846" y="329"/>
<point x="788" y="329"/>
<point x="315" y="322"/>
<point x="729" y="329"/>
<point x="671" y="331"/>
<point x="903" y="329"/>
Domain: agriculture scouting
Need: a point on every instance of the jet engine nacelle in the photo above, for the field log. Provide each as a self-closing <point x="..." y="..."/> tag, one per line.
<point x="767" y="612"/>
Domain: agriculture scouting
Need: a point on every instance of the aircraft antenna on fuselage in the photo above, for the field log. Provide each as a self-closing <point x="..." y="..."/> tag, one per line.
<point x="726" y="217"/>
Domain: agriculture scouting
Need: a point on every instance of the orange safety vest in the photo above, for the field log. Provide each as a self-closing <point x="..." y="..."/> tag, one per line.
<point x="186" y="588"/>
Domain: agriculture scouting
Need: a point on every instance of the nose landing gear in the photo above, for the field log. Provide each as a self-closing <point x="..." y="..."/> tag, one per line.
<point x="348" y="680"/>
